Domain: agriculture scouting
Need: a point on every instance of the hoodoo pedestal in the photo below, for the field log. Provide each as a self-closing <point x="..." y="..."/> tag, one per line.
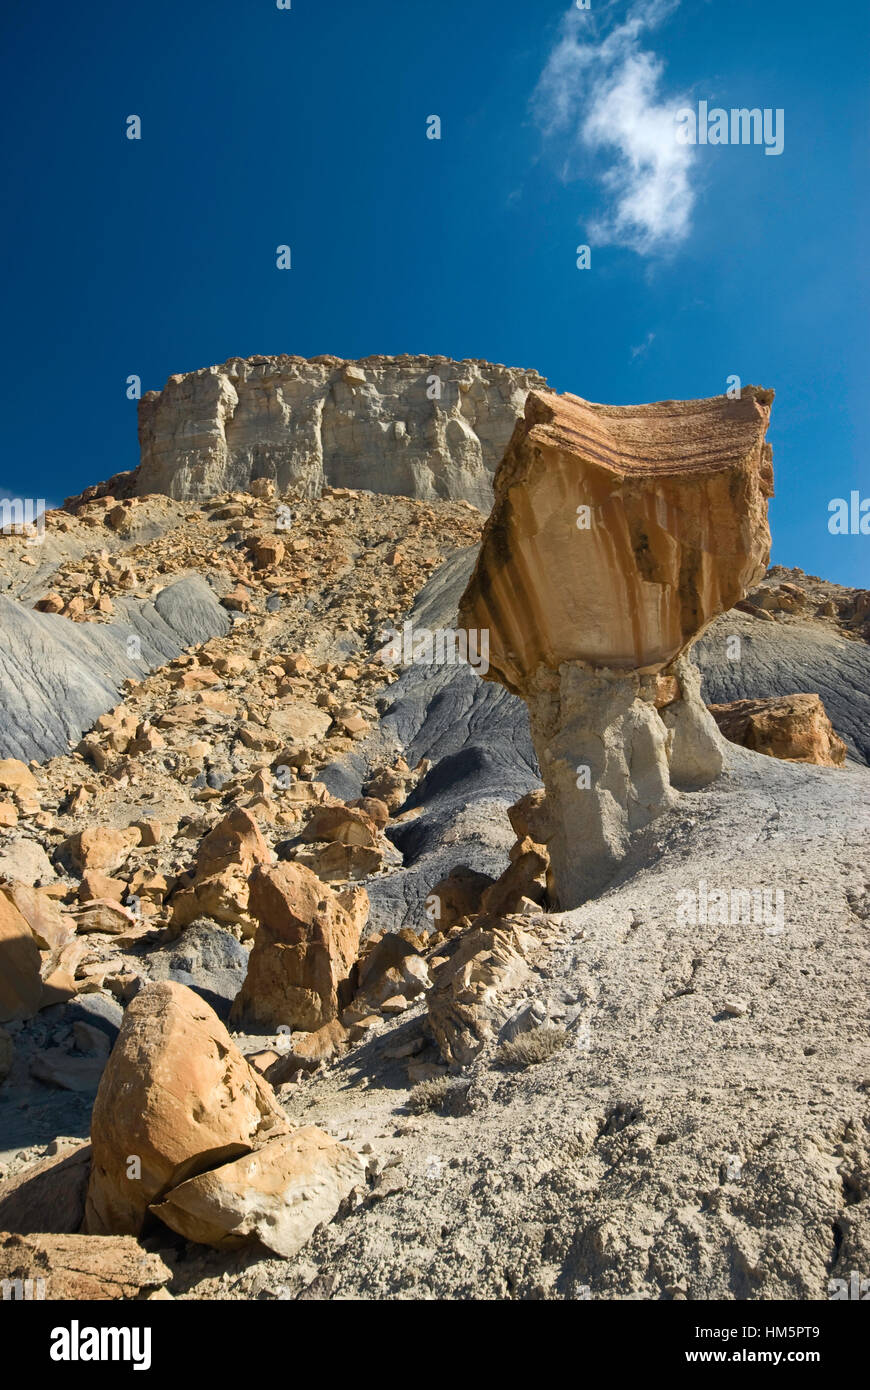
<point x="617" y="535"/>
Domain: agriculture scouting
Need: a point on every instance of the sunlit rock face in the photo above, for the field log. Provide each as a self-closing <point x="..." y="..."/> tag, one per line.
<point x="424" y="427"/>
<point x="675" y="532"/>
<point x="618" y="533"/>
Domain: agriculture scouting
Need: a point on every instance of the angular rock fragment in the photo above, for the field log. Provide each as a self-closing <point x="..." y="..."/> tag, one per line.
<point x="51" y="928"/>
<point x="47" y="1196"/>
<point x="81" y="1267"/>
<point x="303" y="953"/>
<point x="278" y="1194"/>
<point x="793" y="727"/>
<point x="20" y="962"/>
<point x="100" y="847"/>
<point x="224" y="862"/>
<point x="464" y="1001"/>
<point x="456" y="895"/>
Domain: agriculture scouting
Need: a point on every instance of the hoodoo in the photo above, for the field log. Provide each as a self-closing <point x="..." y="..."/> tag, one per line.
<point x="617" y="535"/>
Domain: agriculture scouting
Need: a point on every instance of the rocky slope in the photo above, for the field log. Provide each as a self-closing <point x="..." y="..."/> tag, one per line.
<point x="311" y="885"/>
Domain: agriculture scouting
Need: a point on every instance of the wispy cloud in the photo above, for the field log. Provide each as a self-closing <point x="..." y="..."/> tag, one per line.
<point x="600" y="100"/>
<point x="643" y="348"/>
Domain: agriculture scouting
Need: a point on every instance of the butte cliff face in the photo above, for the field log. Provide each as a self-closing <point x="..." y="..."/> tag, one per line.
<point x="425" y="427"/>
<point x="617" y="535"/>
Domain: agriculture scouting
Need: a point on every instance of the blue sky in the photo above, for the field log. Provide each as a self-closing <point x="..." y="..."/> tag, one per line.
<point x="308" y="127"/>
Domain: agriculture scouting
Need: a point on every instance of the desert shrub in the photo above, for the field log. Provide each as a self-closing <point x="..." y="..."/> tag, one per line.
<point x="430" y="1095"/>
<point x="537" y="1045"/>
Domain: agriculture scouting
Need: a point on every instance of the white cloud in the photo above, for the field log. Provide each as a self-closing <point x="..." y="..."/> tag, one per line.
<point x="601" y="92"/>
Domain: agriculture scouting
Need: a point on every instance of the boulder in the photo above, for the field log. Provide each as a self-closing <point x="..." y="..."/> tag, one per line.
<point x="277" y="1195"/>
<point x="103" y="915"/>
<point x="55" y="1066"/>
<point x="525" y="877"/>
<point x="224" y="861"/>
<point x="392" y="968"/>
<point x="20" y="962"/>
<point x="307" y="1051"/>
<point x="529" y="818"/>
<point x="345" y="824"/>
<point x="178" y="1096"/>
<point x="100" y="847"/>
<point x="793" y="727"/>
<point x="51" y="928"/>
<point x="80" y="1268"/>
<point x="15" y="776"/>
<point x="303" y="953"/>
<point x="25" y="861"/>
<point x="456" y="895"/>
<point x="374" y="808"/>
<point x="340" y="863"/>
<point x="47" y="1196"/>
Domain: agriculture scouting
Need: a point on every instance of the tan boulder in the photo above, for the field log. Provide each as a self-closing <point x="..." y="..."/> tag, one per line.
<point x="277" y="1195"/>
<point x="355" y="901"/>
<point x="525" y="877"/>
<point x="795" y="728"/>
<point x="224" y="861"/>
<point x="390" y="785"/>
<point x="51" y="603"/>
<point x="235" y="840"/>
<point x="51" y="928"/>
<point x="16" y="776"/>
<point x="298" y="721"/>
<point x="456" y="895"/>
<point x="81" y="1268"/>
<point x="338" y="863"/>
<point x="20" y="962"/>
<point x="346" y="824"/>
<point x="101" y="847"/>
<point x="97" y="885"/>
<point x="303" y="953"/>
<point x="618" y="533"/>
<point x="375" y="809"/>
<point x="307" y="1050"/>
<point x="104" y="915"/>
<point x="178" y="1096"/>
<point x="529" y="819"/>
<point x="392" y="968"/>
<point x="267" y="551"/>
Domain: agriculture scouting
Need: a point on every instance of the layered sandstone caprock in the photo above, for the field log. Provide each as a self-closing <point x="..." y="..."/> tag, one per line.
<point x="675" y="533"/>
<point x="617" y="535"/>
